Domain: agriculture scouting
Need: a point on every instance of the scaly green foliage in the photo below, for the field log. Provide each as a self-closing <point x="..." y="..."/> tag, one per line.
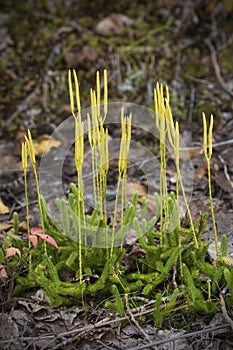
<point x="171" y="265"/>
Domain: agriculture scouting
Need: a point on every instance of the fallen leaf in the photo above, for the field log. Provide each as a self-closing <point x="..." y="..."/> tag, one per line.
<point x="152" y="205"/>
<point x="222" y="182"/>
<point x="65" y="108"/>
<point x="132" y="187"/>
<point x="76" y="56"/>
<point x="187" y="153"/>
<point x="40" y="233"/>
<point x="3" y="273"/>
<point x="8" y="225"/>
<point x="33" y="240"/>
<point x="48" y="239"/>
<point x="44" y="144"/>
<point x="113" y="24"/>
<point x="5" y="226"/>
<point x="3" y="208"/>
<point x="201" y="171"/>
<point x="36" y="230"/>
<point x="170" y="172"/>
<point x="11" y="252"/>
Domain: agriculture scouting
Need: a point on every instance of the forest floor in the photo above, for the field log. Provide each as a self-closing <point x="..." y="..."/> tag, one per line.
<point x="186" y="45"/>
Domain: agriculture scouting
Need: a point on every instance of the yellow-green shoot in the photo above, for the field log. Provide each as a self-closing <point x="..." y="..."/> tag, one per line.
<point x="207" y="143"/>
<point x="79" y="156"/>
<point x="167" y="128"/>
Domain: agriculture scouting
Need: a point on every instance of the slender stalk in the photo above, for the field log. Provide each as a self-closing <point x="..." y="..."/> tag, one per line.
<point x="24" y="167"/>
<point x="105" y="94"/>
<point x="126" y="123"/>
<point x="33" y="162"/>
<point x="79" y="157"/>
<point x="160" y="114"/>
<point x="208" y="155"/>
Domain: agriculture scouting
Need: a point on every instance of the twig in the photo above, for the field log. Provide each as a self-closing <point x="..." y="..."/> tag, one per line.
<point x="23" y="106"/>
<point x="217" y="70"/>
<point x="104" y="345"/>
<point x="132" y="318"/>
<point x="223" y="143"/>
<point x="225" y="171"/>
<point x="179" y="337"/>
<point x="198" y="80"/>
<point x="214" y="145"/>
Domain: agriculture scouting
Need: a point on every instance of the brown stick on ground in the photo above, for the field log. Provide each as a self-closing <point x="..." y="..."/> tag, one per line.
<point x="217" y="70"/>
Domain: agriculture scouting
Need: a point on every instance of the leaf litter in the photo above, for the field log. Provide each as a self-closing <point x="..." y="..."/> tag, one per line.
<point x="30" y="317"/>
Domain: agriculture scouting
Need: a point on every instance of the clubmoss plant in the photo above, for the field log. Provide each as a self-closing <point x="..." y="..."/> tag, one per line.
<point x="79" y="155"/>
<point x="32" y="156"/>
<point x="208" y="155"/>
<point x="167" y="129"/>
<point x="170" y="265"/>
<point x="122" y="170"/>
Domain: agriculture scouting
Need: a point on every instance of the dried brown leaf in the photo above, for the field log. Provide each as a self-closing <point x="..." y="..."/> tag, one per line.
<point x="44" y="144"/>
<point x="77" y="56"/>
<point x="113" y="24"/>
<point x="11" y="252"/>
<point x="3" y="208"/>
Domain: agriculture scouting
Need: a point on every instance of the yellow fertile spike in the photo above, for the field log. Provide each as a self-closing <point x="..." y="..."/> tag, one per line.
<point x="208" y="156"/>
<point x="91" y="99"/>
<point x="204" y="134"/>
<point x="89" y="130"/>
<point x="161" y="99"/>
<point x="210" y="135"/>
<point x="29" y="143"/>
<point x="24" y="156"/>
<point x="170" y="124"/>
<point x="98" y="93"/>
<point x="126" y="123"/>
<point x="106" y="151"/>
<point x="30" y="148"/>
<point x="77" y="92"/>
<point x="167" y="95"/>
<point x="105" y="93"/>
<point x="71" y="92"/>
<point x="79" y="142"/>
<point x="121" y="155"/>
<point x="177" y="160"/>
<point x="156" y="106"/>
<point x="94" y="104"/>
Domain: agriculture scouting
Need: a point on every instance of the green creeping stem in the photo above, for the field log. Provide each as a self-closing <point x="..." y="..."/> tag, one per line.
<point x="118" y="300"/>
<point x="224" y="245"/>
<point x="192" y="292"/>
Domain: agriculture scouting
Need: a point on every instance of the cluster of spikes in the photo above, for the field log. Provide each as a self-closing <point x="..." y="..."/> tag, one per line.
<point x="120" y="272"/>
<point x="98" y="140"/>
<point x="170" y="130"/>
